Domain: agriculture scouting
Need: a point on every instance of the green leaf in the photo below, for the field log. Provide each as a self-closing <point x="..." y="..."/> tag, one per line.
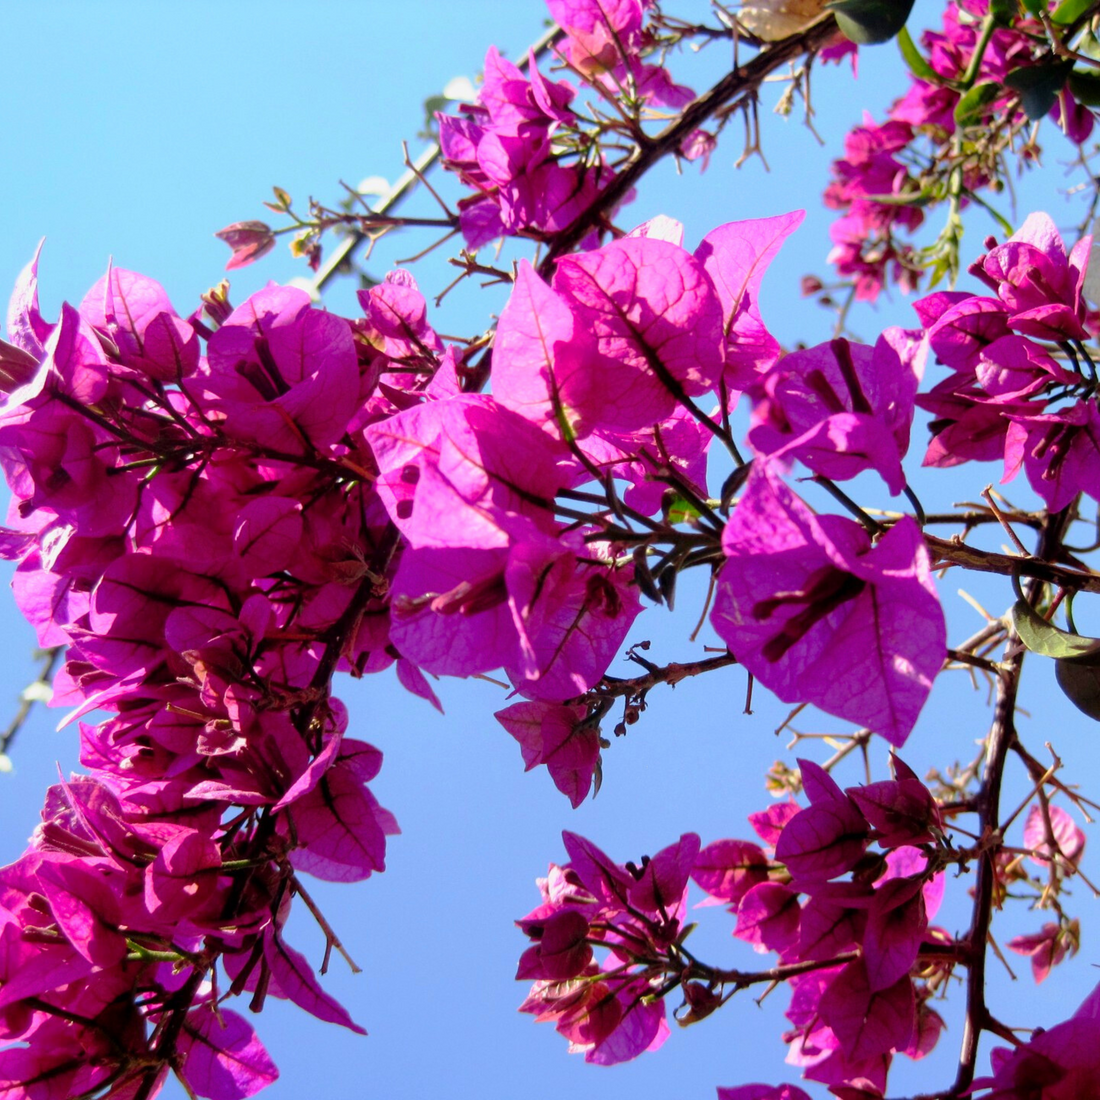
<point x="435" y="103"/>
<point x="1048" y="640"/>
<point x="970" y="109"/>
<point x="1039" y="86"/>
<point x="1080" y="682"/>
<point x="868" y="22"/>
<point x="1035" y="6"/>
<point x="1004" y="11"/>
<point x="1069" y="11"/>
<point x="1085" y="86"/>
<point x="915" y="59"/>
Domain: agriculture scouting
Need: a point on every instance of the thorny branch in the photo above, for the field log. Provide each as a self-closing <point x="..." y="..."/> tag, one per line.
<point x="744" y="79"/>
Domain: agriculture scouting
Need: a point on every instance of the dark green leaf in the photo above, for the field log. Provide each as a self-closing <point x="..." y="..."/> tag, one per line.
<point x="970" y="109"/>
<point x="1004" y="11"/>
<point x="1080" y="681"/>
<point x="869" y="22"/>
<point x="1035" y="6"/>
<point x="1048" y="640"/>
<point x="435" y="103"/>
<point x="1069" y="11"/>
<point x="915" y="59"/>
<point x="1085" y="86"/>
<point x="1039" y="86"/>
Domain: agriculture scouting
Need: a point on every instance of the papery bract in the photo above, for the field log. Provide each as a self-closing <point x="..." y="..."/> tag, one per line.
<point x="1068" y="838"/>
<point x="867" y="1022"/>
<point x="818" y="615"/>
<point x="282" y="372"/>
<point x="455" y="473"/>
<point x="736" y="256"/>
<point x="657" y="322"/>
<point x="728" y="869"/>
<point x="221" y="1056"/>
<point x="1047" y="947"/>
<point x="556" y="736"/>
<point x="135" y="312"/>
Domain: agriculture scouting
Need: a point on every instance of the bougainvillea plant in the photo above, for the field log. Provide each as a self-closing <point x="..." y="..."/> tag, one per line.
<point x="216" y="512"/>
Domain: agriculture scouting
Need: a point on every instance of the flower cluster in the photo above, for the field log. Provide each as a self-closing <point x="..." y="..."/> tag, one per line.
<point x="1022" y="383"/>
<point x="532" y="164"/>
<point x="861" y="1005"/>
<point x="866" y="184"/>
<point x="196" y="529"/>
<point x="501" y="147"/>
<point x="850" y="926"/>
<point x="984" y="75"/>
<point x="611" y="1010"/>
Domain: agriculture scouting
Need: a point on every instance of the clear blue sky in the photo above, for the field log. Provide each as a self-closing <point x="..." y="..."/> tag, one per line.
<point x="135" y="130"/>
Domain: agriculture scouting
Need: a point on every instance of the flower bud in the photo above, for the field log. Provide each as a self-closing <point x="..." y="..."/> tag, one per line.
<point x="249" y="241"/>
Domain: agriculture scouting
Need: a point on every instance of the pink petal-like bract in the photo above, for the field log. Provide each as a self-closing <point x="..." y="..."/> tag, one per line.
<point x="222" y="1058"/>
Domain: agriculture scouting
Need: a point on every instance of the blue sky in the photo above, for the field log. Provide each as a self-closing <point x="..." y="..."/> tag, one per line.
<point x="135" y="130"/>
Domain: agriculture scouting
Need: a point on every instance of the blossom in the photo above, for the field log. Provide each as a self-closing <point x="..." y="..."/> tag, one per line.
<point x="841" y="408"/>
<point x="636" y="913"/>
<point x="1060" y="1063"/>
<point x="817" y="614"/>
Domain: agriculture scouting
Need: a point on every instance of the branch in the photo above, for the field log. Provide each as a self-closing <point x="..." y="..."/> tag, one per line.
<point x="956" y="552"/>
<point x="1002" y="737"/>
<point x="743" y="79"/>
<point x="610" y="687"/>
<point x="744" y="978"/>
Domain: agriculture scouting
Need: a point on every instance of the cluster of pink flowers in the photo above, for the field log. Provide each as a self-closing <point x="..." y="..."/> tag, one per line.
<point x="216" y="514"/>
<point x="213" y="532"/>
<point x="849" y="950"/>
<point x="532" y="165"/>
<point x="1008" y="397"/>
<point x="842" y="892"/>
<point x="876" y="173"/>
<point x="864" y="248"/>
<point x="198" y="531"/>
<point x="848" y="1018"/>
<point x="607" y="1009"/>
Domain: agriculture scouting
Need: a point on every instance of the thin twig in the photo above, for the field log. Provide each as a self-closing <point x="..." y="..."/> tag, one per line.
<point x="406" y="182"/>
<point x="28" y="699"/>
